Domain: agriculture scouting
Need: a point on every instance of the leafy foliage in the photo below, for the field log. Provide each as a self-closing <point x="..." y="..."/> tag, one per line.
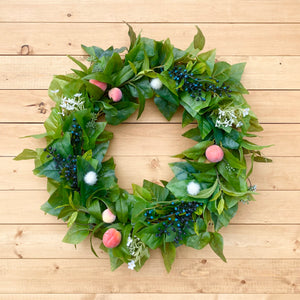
<point x="154" y="216"/>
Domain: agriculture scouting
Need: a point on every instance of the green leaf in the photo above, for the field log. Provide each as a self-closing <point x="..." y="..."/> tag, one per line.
<point x="221" y="71"/>
<point x="251" y="146"/>
<point x="167" y="102"/>
<point x="209" y="59"/>
<point x="207" y="192"/>
<point x="237" y="71"/>
<point x="133" y="67"/>
<point x="72" y="218"/>
<point x="63" y="145"/>
<point x="79" y="63"/>
<point x="220" y="206"/>
<point x="100" y="150"/>
<point x="114" y="64"/>
<point x="198" y="241"/>
<point x="216" y="244"/>
<point x="148" y="236"/>
<point x="168" y="251"/>
<point x="182" y="169"/>
<point x="198" y="43"/>
<point x="124" y="110"/>
<point x="262" y="159"/>
<point x="195" y="152"/>
<point x="53" y="124"/>
<point x="142" y="102"/>
<point x="141" y="192"/>
<point x="26" y="154"/>
<point x="187" y="119"/>
<point x="157" y="191"/>
<point x="100" y="76"/>
<point x="76" y="234"/>
<point x="95" y="210"/>
<point x="233" y="161"/>
<point x="48" y="169"/>
<point x="122" y="205"/>
<point x="167" y="57"/>
<point x="132" y="35"/>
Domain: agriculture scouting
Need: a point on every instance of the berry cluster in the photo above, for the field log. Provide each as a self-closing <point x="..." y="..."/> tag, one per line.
<point x="197" y="86"/>
<point x="76" y="139"/>
<point x="177" y="219"/>
<point x="67" y="167"/>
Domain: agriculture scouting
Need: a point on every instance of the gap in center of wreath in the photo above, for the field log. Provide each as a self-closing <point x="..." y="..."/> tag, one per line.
<point x="142" y="149"/>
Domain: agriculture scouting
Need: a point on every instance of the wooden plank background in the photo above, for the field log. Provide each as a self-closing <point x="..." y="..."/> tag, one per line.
<point x="262" y="243"/>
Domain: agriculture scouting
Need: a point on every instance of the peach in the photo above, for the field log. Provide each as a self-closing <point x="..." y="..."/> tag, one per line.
<point x="214" y="153"/>
<point x="108" y="216"/>
<point x="99" y="84"/>
<point x="115" y="94"/>
<point x="112" y="238"/>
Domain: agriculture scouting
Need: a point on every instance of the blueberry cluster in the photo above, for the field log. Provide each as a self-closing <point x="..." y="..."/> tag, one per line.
<point x="76" y="139"/>
<point x="197" y="86"/>
<point x="176" y="220"/>
<point x="67" y="167"/>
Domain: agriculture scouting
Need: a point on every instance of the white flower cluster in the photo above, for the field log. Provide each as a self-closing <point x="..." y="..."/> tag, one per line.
<point x="70" y="104"/>
<point x="231" y="116"/>
<point x="136" y="249"/>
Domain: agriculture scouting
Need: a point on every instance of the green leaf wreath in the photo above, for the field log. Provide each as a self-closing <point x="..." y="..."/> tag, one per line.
<point x="210" y="180"/>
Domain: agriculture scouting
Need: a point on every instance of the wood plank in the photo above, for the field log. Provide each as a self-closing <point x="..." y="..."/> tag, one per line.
<point x="34" y="106"/>
<point x="241" y="241"/>
<point x="233" y="39"/>
<point x="231" y="11"/>
<point x="270" y="207"/>
<point x="187" y="276"/>
<point x="35" y="72"/>
<point x="148" y="296"/>
<point x="153" y="139"/>
<point x="282" y="174"/>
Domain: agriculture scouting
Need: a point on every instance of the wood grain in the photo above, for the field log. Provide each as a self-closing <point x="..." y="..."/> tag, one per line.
<point x="148" y="296"/>
<point x="241" y="39"/>
<point x="35" y="106"/>
<point x="241" y="241"/>
<point x="229" y="11"/>
<point x="92" y="276"/>
<point x="262" y="72"/>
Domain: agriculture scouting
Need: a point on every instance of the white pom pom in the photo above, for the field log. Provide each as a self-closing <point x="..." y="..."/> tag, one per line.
<point x="193" y="188"/>
<point x="156" y="84"/>
<point x="90" y="178"/>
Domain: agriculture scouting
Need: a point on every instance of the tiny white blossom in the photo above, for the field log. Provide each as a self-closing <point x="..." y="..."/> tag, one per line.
<point x="54" y="91"/>
<point x="246" y="112"/>
<point x="193" y="188"/>
<point x="156" y="84"/>
<point x="239" y="124"/>
<point x="131" y="265"/>
<point x="78" y="95"/>
<point x="129" y="241"/>
<point x="90" y="178"/>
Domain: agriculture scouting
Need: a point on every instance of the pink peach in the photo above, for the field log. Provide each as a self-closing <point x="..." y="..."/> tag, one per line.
<point x="112" y="238"/>
<point x="99" y="84"/>
<point x="115" y="94"/>
<point x="214" y="153"/>
<point x="108" y="216"/>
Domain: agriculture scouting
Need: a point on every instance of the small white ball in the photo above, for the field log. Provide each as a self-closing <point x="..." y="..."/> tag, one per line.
<point x="90" y="178"/>
<point x="156" y="84"/>
<point x="193" y="188"/>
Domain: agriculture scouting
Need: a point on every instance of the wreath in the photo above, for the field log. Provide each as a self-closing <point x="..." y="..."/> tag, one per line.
<point x="210" y="179"/>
